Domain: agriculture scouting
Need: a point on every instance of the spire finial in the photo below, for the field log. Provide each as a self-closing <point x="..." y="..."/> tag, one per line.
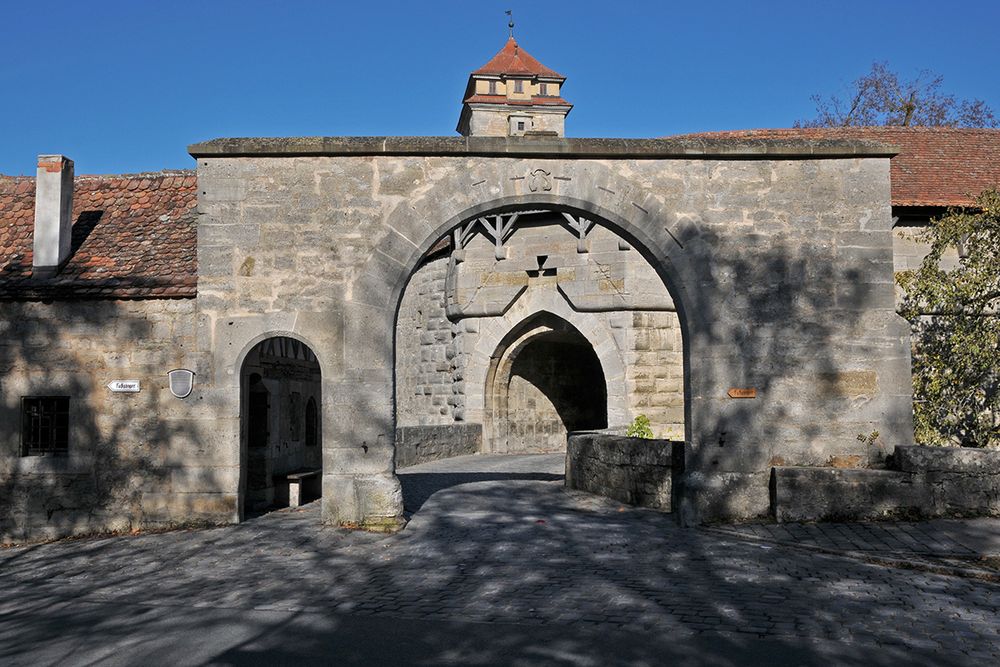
<point x="510" y="23"/>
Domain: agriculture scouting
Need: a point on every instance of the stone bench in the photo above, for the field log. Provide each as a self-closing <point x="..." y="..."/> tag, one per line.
<point x="296" y="480"/>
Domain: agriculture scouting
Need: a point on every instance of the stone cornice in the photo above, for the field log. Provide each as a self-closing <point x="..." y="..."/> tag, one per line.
<point x="643" y="149"/>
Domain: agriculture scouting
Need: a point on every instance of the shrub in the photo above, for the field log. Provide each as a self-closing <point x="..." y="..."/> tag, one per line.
<point x="639" y="428"/>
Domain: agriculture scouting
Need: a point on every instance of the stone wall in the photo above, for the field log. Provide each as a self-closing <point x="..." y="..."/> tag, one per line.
<point x="134" y="459"/>
<point x="921" y="482"/>
<point x="420" y="444"/>
<point x="655" y="370"/>
<point x="424" y="351"/>
<point x="635" y="471"/>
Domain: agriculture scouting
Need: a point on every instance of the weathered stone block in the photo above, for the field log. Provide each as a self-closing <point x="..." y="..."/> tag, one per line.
<point x="632" y="470"/>
<point x="838" y="494"/>
<point x="924" y="459"/>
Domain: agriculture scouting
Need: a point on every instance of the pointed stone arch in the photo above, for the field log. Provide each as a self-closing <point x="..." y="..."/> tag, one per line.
<point x="593" y="394"/>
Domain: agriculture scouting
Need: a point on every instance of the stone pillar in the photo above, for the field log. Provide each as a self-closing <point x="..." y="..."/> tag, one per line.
<point x="53" y="214"/>
<point x="360" y="488"/>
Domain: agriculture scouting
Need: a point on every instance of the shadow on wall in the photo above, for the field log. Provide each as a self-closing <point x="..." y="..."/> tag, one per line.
<point x="803" y="315"/>
<point x="419" y="486"/>
<point x="132" y="457"/>
<point x="810" y="325"/>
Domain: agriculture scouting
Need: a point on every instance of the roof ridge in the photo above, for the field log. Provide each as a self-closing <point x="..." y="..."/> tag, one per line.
<point x="163" y="173"/>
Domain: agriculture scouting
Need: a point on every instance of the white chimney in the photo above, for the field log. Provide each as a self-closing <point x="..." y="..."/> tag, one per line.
<point x="53" y="214"/>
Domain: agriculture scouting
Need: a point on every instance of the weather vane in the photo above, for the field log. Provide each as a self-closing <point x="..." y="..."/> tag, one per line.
<point x="510" y="23"/>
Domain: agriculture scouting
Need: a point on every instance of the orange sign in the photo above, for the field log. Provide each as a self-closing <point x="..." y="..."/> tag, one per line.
<point x="742" y="393"/>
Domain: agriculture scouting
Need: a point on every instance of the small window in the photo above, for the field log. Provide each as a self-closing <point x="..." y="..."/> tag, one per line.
<point x="520" y="126"/>
<point x="312" y="423"/>
<point x="518" y="86"/>
<point x="493" y="87"/>
<point x="543" y="89"/>
<point x="295" y="417"/>
<point x="44" y="425"/>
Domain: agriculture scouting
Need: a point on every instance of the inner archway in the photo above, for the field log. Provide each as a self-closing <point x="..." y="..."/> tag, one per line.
<point x="281" y="461"/>
<point x="547" y="382"/>
<point x="601" y="324"/>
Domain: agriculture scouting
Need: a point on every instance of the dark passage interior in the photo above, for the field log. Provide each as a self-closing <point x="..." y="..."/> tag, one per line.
<point x="281" y="430"/>
<point x="555" y="385"/>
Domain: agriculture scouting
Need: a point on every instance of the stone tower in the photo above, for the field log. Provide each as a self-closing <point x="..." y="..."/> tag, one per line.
<point x="513" y="95"/>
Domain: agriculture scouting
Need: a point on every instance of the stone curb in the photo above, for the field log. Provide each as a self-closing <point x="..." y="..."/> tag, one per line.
<point x="901" y="563"/>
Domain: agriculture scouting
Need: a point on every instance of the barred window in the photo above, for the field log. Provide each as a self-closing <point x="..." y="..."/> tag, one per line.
<point x="44" y="425"/>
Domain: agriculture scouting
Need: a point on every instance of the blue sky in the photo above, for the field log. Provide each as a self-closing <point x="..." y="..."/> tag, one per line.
<point x="126" y="86"/>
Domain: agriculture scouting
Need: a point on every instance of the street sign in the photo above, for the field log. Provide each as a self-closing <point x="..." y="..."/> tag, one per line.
<point x="124" y="386"/>
<point x="736" y="392"/>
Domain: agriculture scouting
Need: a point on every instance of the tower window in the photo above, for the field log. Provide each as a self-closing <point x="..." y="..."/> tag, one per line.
<point x="518" y="86"/>
<point x="44" y="425"/>
<point x="520" y="125"/>
<point x="493" y="87"/>
<point x="543" y="89"/>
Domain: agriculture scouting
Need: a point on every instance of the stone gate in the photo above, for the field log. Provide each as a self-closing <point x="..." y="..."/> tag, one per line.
<point x="777" y="256"/>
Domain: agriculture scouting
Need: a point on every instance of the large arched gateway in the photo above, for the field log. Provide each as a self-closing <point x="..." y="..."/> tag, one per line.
<point x="777" y="257"/>
<point x="523" y="325"/>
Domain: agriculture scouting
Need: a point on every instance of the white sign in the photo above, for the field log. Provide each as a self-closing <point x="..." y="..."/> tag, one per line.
<point x="124" y="386"/>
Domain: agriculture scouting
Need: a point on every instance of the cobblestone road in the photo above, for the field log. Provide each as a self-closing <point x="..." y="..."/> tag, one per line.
<point x="500" y="541"/>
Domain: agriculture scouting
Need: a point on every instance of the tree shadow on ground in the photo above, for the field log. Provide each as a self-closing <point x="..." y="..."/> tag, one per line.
<point x="492" y="572"/>
<point x="418" y="487"/>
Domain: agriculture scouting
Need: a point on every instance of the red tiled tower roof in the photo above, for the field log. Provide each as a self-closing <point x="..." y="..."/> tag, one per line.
<point x="936" y="166"/>
<point x="134" y="237"/>
<point x="512" y="59"/>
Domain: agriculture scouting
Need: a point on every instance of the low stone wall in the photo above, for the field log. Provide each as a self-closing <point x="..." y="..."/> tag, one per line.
<point x="631" y="470"/>
<point x="420" y="444"/>
<point x="922" y="482"/>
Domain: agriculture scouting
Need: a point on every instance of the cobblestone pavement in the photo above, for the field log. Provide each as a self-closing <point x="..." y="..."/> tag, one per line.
<point x="499" y="541"/>
<point x="966" y="547"/>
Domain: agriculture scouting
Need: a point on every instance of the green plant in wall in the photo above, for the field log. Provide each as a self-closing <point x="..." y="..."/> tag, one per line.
<point x="955" y="320"/>
<point x="639" y="428"/>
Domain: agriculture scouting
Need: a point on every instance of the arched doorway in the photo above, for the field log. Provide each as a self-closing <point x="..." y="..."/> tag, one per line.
<point x="609" y="339"/>
<point x="281" y="435"/>
<point x="545" y="380"/>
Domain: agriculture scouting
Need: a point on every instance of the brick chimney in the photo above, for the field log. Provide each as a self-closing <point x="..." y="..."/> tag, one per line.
<point x="53" y="214"/>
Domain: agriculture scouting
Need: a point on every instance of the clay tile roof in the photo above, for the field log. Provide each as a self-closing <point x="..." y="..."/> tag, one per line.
<point x="535" y="101"/>
<point x="936" y="166"/>
<point x="134" y="237"/>
<point x="512" y="59"/>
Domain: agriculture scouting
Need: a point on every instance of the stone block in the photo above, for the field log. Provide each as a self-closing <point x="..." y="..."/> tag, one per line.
<point x="841" y="494"/>
<point x="925" y="459"/>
